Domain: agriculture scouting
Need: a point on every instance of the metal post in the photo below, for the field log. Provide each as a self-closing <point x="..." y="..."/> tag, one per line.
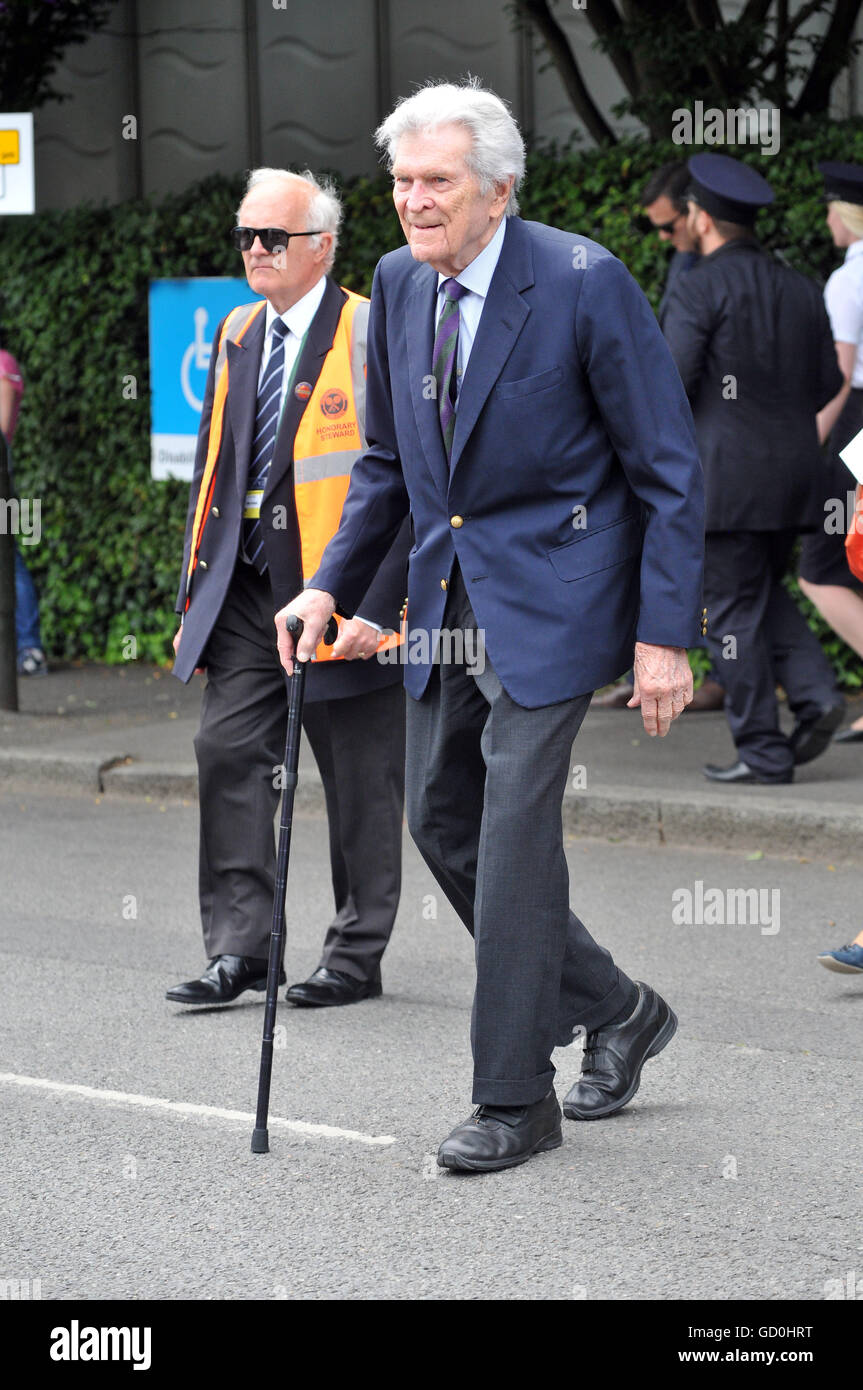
<point x="8" y="643"/>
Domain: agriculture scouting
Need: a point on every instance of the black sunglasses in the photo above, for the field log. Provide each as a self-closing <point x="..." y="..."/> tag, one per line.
<point x="666" y="226"/>
<point x="272" y="238"/>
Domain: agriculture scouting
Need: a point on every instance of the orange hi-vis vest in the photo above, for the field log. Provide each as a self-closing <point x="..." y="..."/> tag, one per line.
<point x="327" y="444"/>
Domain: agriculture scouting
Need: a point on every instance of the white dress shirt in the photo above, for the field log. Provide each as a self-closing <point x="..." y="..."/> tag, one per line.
<point x="843" y="296"/>
<point x="476" y="278"/>
<point x="297" y="320"/>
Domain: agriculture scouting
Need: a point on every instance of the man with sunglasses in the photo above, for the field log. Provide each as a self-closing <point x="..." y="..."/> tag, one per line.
<point x="282" y="423"/>
<point x="664" y="200"/>
<point x="665" y="211"/>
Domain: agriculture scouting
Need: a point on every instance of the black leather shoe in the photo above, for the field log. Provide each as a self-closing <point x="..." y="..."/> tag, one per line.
<point x="850" y="735"/>
<point x="742" y="772"/>
<point x="811" y="737"/>
<point x="615" y="697"/>
<point x="328" y="987"/>
<point x="614" y="1056"/>
<point x="708" y="696"/>
<point x="501" y="1136"/>
<point x="224" y="978"/>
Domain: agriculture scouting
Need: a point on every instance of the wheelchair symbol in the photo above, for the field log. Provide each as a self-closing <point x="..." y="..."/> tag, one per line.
<point x="198" y="351"/>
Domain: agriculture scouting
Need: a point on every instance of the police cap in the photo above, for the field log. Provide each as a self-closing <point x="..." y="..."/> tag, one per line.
<point x="843" y="183"/>
<point x="727" y="189"/>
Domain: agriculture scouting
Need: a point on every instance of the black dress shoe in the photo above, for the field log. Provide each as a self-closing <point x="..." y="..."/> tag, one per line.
<point x="851" y="735"/>
<point x="811" y="737"/>
<point x="614" y="1056"/>
<point x="224" y="978"/>
<point x="742" y="772"/>
<point x="328" y="987"/>
<point x="501" y="1136"/>
<point x="614" y="698"/>
<point x="708" y="696"/>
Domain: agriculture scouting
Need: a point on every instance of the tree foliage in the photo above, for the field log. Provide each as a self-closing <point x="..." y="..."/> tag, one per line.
<point x="34" y="35"/>
<point x="777" y="52"/>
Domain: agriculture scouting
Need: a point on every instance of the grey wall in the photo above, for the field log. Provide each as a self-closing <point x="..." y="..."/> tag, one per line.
<point x="222" y="85"/>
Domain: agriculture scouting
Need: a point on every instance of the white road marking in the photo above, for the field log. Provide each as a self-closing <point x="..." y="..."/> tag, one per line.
<point x="180" y="1107"/>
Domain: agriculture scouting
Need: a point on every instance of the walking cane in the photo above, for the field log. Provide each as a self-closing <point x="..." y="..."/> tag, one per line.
<point x="293" y="625"/>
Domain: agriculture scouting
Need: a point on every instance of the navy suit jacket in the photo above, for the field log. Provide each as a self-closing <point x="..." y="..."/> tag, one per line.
<point x="574" y="469"/>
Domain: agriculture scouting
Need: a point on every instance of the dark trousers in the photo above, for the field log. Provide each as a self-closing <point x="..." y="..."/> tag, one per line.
<point x="485" y="783"/>
<point x="772" y="644"/>
<point x="358" y="743"/>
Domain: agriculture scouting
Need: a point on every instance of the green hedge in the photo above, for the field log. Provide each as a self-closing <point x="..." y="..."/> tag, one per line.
<point x="74" y="310"/>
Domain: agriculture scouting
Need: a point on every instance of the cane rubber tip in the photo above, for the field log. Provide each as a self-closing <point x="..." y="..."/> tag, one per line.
<point x="260" y="1141"/>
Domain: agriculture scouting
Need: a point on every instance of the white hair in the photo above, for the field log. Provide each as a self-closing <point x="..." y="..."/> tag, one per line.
<point x="324" y="212"/>
<point x="497" y="149"/>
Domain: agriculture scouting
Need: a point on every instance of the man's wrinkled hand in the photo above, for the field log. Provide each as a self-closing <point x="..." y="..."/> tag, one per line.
<point x="663" y="686"/>
<point x="356" y="639"/>
<point x="315" y="607"/>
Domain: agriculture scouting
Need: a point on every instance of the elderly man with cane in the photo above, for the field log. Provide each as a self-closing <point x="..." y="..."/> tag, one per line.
<point x="523" y="406"/>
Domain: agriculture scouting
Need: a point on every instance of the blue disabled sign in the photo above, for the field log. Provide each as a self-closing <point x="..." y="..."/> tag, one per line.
<point x="184" y="316"/>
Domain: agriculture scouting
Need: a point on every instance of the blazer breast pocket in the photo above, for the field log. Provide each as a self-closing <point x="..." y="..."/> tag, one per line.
<point x="528" y="385"/>
<point x="598" y="550"/>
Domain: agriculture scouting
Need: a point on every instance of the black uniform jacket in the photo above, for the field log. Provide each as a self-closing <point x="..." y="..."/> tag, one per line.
<point x="752" y="342"/>
<point x="220" y="544"/>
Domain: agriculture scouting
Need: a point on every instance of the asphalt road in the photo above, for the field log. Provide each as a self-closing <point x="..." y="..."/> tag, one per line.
<point x="733" y="1174"/>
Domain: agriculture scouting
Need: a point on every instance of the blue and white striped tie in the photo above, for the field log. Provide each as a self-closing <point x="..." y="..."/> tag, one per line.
<point x="264" y="442"/>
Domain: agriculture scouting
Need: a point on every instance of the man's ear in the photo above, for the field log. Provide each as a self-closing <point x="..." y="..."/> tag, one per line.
<point x="502" y="190"/>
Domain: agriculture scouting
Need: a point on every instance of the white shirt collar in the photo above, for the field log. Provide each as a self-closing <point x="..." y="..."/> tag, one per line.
<point x="298" y="318"/>
<point x="855" y="249"/>
<point x="476" y="277"/>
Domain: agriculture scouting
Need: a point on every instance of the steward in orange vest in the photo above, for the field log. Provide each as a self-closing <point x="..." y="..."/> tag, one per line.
<point x="320" y="437"/>
<point x="281" y="427"/>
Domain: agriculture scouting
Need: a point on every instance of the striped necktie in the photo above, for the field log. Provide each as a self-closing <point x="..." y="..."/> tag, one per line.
<point x="445" y="360"/>
<point x="263" y="445"/>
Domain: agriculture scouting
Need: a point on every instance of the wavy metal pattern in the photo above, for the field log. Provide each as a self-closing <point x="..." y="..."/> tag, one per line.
<point x="192" y="81"/>
<point x="318" y="78"/>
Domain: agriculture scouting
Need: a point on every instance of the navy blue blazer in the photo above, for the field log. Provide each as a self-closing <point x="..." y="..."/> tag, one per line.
<point x="574" y="499"/>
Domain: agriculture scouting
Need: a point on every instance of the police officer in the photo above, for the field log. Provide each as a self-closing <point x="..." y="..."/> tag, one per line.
<point x="753" y="346"/>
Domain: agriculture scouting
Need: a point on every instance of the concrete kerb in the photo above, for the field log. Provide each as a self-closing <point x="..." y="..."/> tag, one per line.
<point x="817" y="829"/>
<point x="73" y="770"/>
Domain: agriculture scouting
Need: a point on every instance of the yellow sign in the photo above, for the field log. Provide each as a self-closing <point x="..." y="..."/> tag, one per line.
<point x="10" y="147"/>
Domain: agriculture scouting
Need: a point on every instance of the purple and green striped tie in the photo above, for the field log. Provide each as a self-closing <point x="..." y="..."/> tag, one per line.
<point x="445" y="360"/>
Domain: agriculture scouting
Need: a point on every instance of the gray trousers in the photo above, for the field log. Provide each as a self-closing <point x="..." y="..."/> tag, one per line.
<point x="484" y="788"/>
<point x="358" y="743"/>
